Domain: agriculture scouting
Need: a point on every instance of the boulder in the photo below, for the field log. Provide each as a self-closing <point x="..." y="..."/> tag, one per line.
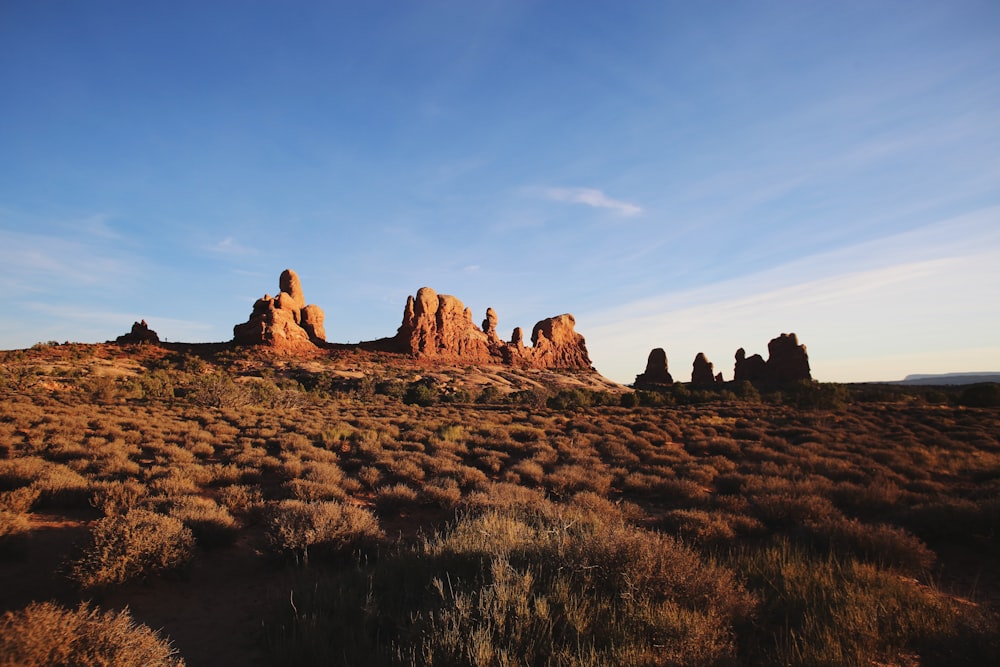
<point x="285" y="322"/>
<point x="656" y="372"/>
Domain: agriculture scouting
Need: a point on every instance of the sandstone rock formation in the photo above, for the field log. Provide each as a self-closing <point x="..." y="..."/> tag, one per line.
<point x="702" y="372"/>
<point x="656" y="373"/>
<point x="140" y="334"/>
<point x="787" y="363"/>
<point x="439" y="326"/>
<point x="283" y="322"/>
<point x="748" y="369"/>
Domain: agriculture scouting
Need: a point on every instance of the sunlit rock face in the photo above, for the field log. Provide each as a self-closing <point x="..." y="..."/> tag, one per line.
<point x="440" y="326"/>
<point x="283" y="322"/>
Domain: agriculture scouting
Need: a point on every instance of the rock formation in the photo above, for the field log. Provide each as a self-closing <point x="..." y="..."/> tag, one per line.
<point x="702" y="372"/>
<point x="656" y="373"/>
<point x="439" y="326"/>
<point x="787" y="361"/>
<point x="140" y="334"/>
<point x="748" y="369"/>
<point x="283" y="322"/>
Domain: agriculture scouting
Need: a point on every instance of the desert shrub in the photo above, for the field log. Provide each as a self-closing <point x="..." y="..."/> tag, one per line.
<point x="443" y="492"/>
<point x="12" y="523"/>
<point x="809" y="394"/>
<point x="568" y="479"/>
<point x="490" y="395"/>
<point x="324" y="528"/>
<point x="44" y="634"/>
<point x="698" y="526"/>
<point x="567" y="399"/>
<point x="157" y="384"/>
<point x="881" y="544"/>
<point x="243" y="501"/>
<point x="828" y="610"/>
<point x="118" y="497"/>
<point x="218" y="390"/>
<point x="421" y="393"/>
<point x="981" y="395"/>
<point x="391" y="498"/>
<point x="506" y="587"/>
<point x="130" y="546"/>
<point x="19" y="501"/>
<point x="211" y="524"/>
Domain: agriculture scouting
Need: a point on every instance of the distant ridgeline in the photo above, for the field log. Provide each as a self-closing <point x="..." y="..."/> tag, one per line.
<point x="440" y="328"/>
<point x="948" y="379"/>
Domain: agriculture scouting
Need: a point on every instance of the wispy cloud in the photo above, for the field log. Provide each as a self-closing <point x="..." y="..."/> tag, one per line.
<point x="590" y="197"/>
<point x="34" y="262"/>
<point x="230" y="246"/>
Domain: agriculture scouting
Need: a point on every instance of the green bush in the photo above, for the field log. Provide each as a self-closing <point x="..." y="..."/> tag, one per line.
<point x="44" y="634"/>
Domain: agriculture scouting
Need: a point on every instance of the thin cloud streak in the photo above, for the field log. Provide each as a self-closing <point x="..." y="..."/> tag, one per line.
<point x="591" y="197"/>
<point x="230" y="246"/>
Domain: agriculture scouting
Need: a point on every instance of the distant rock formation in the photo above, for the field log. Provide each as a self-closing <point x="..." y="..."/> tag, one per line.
<point x="439" y="326"/>
<point x="140" y="334"/>
<point x="656" y="373"/>
<point x="787" y="363"/>
<point x="283" y="322"/>
<point x="749" y="369"/>
<point x="703" y="373"/>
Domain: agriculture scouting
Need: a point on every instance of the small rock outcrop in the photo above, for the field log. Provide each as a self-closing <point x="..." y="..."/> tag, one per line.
<point x="703" y="373"/>
<point x="656" y="373"/>
<point x="439" y="326"/>
<point x="139" y="335"/>
<point x="283" y="322"/>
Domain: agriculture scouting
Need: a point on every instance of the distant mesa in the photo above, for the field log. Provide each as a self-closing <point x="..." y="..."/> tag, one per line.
<point x="140" y="334"/>
<point x="656" y="373"/>
<point x="284" y="322"/>
<point x="440" y="327"/>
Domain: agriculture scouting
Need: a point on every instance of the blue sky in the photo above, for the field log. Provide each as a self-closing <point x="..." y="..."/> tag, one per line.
<point x="692" y="176"/>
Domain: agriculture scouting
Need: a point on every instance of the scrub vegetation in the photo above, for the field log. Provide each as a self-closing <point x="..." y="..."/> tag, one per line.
<point x="368" y="511"/>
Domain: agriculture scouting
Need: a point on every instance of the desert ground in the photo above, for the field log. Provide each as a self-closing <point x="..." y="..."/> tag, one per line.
<point x="208" y="506"/>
